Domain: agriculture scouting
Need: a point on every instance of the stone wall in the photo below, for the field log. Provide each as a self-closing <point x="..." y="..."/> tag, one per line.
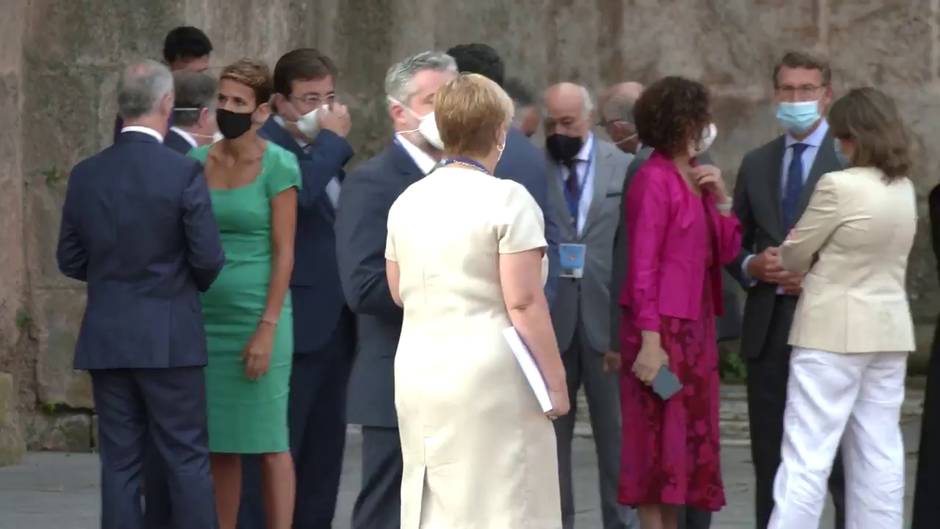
<point x="59" y="62"/>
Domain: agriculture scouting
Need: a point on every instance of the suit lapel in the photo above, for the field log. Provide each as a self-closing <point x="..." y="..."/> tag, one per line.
<point x="603" y="172"/>
<point x="272" y="131"/>
<point x="406" y="167"/>
<point x="824" y="162"/>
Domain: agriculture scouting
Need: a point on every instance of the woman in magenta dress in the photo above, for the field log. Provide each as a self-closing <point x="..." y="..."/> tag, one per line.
<point x="680" y="231"/>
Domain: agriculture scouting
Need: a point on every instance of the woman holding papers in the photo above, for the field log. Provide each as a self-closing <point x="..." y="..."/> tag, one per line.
<point x="680" y="231"/>
<point x="466" y="260"/>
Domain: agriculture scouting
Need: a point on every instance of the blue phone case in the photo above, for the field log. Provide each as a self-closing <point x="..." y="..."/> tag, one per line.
<point x="666" y="384"/>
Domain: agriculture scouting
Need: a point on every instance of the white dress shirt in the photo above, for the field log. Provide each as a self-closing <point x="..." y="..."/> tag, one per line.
<point x="424" y="162"/>
<point x="144" y="130"/>
<point x="186" y="136"/>
<point x="585" y="165"/>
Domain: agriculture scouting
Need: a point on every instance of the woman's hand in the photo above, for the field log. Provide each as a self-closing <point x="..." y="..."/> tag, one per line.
<point x="708" y="178"/>
<point x="257" y="354"/>
<point x="648" y="362"/>
<point x="560" y="404"/>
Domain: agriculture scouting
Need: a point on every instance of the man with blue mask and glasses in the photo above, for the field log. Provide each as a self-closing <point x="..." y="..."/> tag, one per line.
<point x="773" y="188"/>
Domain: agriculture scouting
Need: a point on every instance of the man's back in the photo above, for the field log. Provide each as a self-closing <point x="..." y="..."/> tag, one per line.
<point x="138" y="227"/>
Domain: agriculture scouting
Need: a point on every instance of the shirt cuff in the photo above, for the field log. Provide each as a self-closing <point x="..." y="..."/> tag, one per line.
<point x="747" y="279"/>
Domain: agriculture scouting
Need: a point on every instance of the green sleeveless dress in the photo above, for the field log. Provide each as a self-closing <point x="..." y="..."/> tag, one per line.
<point x="245" y="416"/>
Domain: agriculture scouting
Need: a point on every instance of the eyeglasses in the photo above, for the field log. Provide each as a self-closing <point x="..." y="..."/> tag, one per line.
<point x="313" y="99"/>
<point x="802" y="91"/>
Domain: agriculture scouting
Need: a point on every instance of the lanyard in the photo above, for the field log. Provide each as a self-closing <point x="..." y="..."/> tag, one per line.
<point x="465" y="161"/>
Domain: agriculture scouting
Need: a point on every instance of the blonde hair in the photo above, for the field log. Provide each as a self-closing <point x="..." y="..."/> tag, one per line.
<point x="253" y="74"/>
<point x="470" y="110"/>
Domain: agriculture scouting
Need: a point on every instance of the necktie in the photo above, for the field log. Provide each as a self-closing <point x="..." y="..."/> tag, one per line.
<point x="794" y="187"/>
<point x="572" y="193"/>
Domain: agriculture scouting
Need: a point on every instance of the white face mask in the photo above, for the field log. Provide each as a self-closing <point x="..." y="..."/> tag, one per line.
<point x="705" y="142"/>
<point x="427" y="127"/>
<point x="309" y="123"/>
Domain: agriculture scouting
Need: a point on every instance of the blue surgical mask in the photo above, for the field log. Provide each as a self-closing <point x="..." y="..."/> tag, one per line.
<point x="844" y="160"/>
<point x="798" y="117"/>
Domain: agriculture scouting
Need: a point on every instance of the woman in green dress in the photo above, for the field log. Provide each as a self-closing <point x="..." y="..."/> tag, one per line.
<point x="247" y="311"/>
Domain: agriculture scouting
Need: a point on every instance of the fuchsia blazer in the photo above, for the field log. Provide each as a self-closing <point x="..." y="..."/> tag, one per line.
<point x="666" y="252"/>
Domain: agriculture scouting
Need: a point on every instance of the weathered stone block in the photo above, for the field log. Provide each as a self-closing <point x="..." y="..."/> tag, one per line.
<point x="12" y="444"/>
<point x="58" y="314"/>
<point x="60" y="431"/>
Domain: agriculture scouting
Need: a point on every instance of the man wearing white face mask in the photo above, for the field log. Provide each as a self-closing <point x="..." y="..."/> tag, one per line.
<point x="310" y="124"/>
<point x="194" y="112"/>
<point x="773" y="188"/>
<point x="361" y="232"/>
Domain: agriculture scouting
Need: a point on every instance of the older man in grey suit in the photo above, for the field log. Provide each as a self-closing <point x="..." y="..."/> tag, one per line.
<point x="585" y="180"/>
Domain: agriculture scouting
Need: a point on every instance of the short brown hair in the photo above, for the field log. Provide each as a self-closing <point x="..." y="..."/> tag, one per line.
<point x="469" y="111"/>
<point x="253" y="74"/>
<point x="671" y="113"/>
<point x="870" y="119"/>
<point x="303" y="64"/>
<point x="806" y="60"/>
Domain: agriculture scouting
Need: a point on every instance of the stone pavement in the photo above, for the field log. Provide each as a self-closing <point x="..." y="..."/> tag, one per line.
<point x="60" y="491"/>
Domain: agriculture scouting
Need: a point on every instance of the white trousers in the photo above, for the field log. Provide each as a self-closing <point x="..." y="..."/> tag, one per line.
<point x="856" y="398"/>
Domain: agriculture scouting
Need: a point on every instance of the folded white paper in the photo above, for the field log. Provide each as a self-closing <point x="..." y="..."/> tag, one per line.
<point x="529" y="368"/>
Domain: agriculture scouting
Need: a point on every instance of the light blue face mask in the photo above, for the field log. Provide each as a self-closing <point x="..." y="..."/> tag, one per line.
<point x="798" y="117"/>
<point x="844" y="160"/>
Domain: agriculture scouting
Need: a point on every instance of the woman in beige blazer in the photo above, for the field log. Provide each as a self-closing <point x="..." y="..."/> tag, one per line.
<point x="852" y="329"/>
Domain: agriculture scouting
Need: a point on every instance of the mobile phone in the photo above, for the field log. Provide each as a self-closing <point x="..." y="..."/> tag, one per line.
<point x="666" y="384"/>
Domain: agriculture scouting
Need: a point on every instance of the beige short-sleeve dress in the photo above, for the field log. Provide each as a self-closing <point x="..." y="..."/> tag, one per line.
<point x="478" y="452"/>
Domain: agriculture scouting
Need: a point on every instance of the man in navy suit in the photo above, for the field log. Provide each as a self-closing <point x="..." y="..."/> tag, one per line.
<point x="194" y="112"/>
<point x="308" y="122"/>
<point x="361" y="231"/>
<point x="137" y="227"/>
<point x="521" y="161"/>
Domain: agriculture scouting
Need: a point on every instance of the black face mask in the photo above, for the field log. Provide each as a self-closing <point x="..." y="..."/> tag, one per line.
<point x="232" y="124"/>
<point x="563" y="148"/>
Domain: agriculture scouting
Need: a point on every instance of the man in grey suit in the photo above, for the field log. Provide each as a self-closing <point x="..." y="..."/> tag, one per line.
<point x="585" y="179"/>
<point x="773" y="188"/>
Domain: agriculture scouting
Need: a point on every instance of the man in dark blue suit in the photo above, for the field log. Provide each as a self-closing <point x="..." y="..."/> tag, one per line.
<point x="309" y="123"/>
<point x="194" y="112"/>
<point x="361" y="231"/>
<point x="142" y="336"/>
<point x="521" y="161"/>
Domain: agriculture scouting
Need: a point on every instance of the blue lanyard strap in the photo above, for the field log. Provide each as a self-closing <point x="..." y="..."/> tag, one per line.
<point x="465" y="161"/>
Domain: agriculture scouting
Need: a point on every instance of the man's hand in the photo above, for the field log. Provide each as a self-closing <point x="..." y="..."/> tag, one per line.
<point x="612" y="362"/>
<point x="336" y="119"/>
<point x="792" y="284"/>
<point x="765" y="266"/>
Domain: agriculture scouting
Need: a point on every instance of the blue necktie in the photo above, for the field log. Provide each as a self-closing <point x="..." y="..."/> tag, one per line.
<point x="572" y="193"/>
<point x="794" y="187"/>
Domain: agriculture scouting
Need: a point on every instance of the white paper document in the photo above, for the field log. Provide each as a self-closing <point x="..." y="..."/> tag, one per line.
<point x="529" y="369"/>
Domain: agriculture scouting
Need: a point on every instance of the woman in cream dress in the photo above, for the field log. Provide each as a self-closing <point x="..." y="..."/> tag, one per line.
<point x="466" y="260"/>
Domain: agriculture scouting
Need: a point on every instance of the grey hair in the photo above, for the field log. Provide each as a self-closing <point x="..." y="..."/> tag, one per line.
<point x="619" y="107"/>
<point x="194" y="92"/>
<point x="398" y="80"/>
<point x="141" y="87"/>
<point x="586" y="101"/>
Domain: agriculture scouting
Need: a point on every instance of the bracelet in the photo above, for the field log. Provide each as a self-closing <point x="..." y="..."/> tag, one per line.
<point x="725" y="207"/>
<point x="269" y="321"/>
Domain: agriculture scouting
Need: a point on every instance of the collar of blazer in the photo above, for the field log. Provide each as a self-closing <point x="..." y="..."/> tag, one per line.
<point x="825" y="162"/>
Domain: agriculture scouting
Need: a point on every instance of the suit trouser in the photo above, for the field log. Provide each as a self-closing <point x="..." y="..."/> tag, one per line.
<point x="168" y="407"/>
<point x="694" y="519"/>
<point x="379" y="503"/>
<point x="926" y="512"/>
<point x="585" y="366"/>
<point x="317" y="420"/>
<point x="158" y="512"/>
<point x="766" y="400"/>
<point x="854" y="399"/>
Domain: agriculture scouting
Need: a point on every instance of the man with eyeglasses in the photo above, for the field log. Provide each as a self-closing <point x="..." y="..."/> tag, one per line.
<point x="773" y="188"/>
<point x="310" y="123"/>
<point x="616" y="108"/>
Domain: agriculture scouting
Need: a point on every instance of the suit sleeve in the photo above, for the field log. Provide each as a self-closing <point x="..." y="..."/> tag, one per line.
<point x="539" y="191"/>
<point x="361" y="234"/>
<point x="647" y="215"/>
<point x="934" y="202"/>
<point x="203" y="244"/>
<point x="742" y="210"/>
<point x="71" y="254"/>
<point x="328" y="154"/>
<point x="618" y="268"/>
<point x="818" y="222"/>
